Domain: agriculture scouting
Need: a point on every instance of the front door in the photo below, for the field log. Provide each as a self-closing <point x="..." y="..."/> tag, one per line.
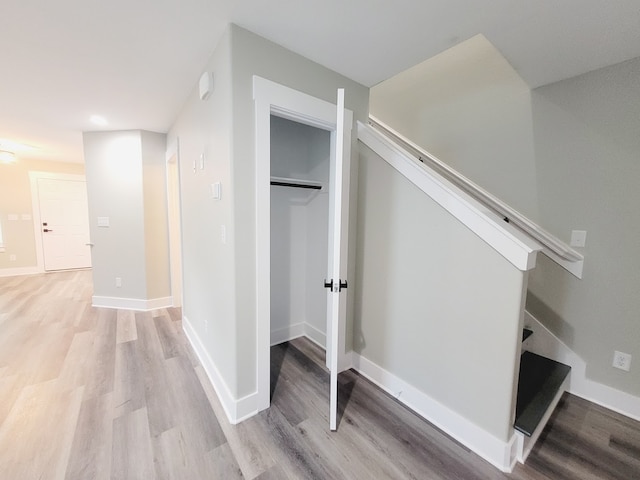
<point x="64" y="224"/>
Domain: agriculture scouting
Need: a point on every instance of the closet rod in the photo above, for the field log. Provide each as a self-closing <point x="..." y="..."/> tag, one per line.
<point x="295" y="185"/>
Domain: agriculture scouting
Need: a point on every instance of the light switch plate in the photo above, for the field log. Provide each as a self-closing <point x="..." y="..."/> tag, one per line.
<point x="216" y="191"/>
<point x="103" y="221"/>
<point x="578" y="238"/>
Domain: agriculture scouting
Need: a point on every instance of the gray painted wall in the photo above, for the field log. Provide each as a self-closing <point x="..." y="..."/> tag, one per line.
<point x="115" y="164"/>
<point x="566" y="155"/>
<point x="435" y="305"/>
<point x="468" y="107"/>
<point x="587" y="144"/>
<point x="204" y="127"/>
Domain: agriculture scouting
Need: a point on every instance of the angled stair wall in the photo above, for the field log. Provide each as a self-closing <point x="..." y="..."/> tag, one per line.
<point x="442" y="405"/>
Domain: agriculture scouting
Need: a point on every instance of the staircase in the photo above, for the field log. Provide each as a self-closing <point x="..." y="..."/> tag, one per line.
<point x="541" y="383"/>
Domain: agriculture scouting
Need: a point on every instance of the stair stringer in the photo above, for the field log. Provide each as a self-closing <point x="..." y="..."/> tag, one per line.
<point x="544" y="342"/>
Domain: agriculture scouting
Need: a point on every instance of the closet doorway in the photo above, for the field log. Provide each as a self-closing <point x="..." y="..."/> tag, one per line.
<point x="307" y="236"/>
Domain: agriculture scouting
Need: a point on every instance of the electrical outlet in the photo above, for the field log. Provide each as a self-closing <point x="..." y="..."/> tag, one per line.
<point x="622" y="361"/>
<point x="118" y="282"/>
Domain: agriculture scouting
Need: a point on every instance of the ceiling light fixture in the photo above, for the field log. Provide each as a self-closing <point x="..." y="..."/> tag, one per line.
<point x="98" y="120"/>
<point x="7" y="157"/>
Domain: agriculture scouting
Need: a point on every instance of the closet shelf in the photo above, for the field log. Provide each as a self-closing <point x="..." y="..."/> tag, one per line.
<point x="296" y="183"/>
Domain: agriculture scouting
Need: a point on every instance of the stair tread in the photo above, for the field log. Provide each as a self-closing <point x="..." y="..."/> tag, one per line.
<point x="539" y="382"/>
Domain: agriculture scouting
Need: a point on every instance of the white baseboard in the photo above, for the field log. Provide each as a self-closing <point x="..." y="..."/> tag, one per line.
<point x="497" y="452"/>
<point x="287" y="333"/>
<point x="298" y="330"/>
<point x="316" y="336"/>
<point x="132" y="303"/>
<point x="545" y="343"/>
<point x="237" y="410"/>
<point x="14" y="272"/>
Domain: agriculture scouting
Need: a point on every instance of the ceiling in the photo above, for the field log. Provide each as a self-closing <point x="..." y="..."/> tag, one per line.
<point x="135" y="61"/>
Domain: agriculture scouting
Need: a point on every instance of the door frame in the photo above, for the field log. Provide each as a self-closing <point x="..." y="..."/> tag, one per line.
<point x="34" y="176"/>
<point x="174" y="217"/>
<point x="273" y="98"/>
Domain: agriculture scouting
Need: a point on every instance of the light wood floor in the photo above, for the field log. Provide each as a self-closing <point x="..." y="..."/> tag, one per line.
<point x="91" y="393"/>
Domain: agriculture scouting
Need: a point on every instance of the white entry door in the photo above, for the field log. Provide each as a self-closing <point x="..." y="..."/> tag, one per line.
<point x="64" y="224"/>
<point x="338" y="241"/>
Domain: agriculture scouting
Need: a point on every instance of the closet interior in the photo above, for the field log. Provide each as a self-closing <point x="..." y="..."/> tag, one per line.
<point x="300" y="163"/>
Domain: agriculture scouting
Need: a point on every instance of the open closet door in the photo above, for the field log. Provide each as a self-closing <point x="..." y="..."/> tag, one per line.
<point x="338" y="236"/>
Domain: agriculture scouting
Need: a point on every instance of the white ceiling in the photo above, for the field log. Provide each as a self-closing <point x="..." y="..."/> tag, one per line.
<point x="135" y="61"/>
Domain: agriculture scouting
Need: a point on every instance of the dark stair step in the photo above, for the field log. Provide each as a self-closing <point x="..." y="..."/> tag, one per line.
<point x="539" y="382"/>
<point x="526" y="333"/>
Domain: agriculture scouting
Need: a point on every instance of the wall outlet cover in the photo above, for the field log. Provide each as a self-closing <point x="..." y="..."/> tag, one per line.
<point x="622" y="361"/>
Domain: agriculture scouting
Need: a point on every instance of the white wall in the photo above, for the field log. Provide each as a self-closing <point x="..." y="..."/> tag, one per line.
<point x="587" y="150"/>
<point x="468" y="107"/>
<point x="435" y="305"/>
<point x="299" y="233"/>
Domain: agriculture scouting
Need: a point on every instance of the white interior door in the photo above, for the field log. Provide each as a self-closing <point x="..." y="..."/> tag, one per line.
<point x="338" y="241"/>
<point x="64" y="223"/>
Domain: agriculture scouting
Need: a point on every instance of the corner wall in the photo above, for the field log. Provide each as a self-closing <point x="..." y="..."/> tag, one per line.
<point x="587" y="150"/>
<point x="118" y="192"/>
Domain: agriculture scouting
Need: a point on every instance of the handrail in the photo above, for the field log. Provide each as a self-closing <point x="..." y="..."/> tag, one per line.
<point x="513" y="244"/>
<point x="554" y="248"/>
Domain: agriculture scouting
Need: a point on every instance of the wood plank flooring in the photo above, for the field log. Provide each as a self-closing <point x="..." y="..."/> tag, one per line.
<point x="90" y="393"/>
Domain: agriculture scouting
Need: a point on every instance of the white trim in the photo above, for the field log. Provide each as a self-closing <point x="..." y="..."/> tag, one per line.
<point x="137" y="304"/>
<point x="517" y="247"/>
<point x="554" y="248"/>
<point x="34" y="176"/>
<point x="272" y="98"/>
<point x="499" y="453"/>
<point x="316" y="335"/>
<point x="236" y="410"/>
<point x="14" y="272"/>
<point x="545" y="343"/>
<point x="287" y="333"/>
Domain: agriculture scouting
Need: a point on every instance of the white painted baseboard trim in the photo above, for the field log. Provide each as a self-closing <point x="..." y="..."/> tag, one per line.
<point x="14" y="272"/>
<point x="545" y="343"/>
<point x="298" y="330"/>
<point x="316" y="336"/>
<point x="287" y="333"/>
<point x="236" y="410"/>
<point x="499" y="453"/>
<point x="131" y="303"/>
